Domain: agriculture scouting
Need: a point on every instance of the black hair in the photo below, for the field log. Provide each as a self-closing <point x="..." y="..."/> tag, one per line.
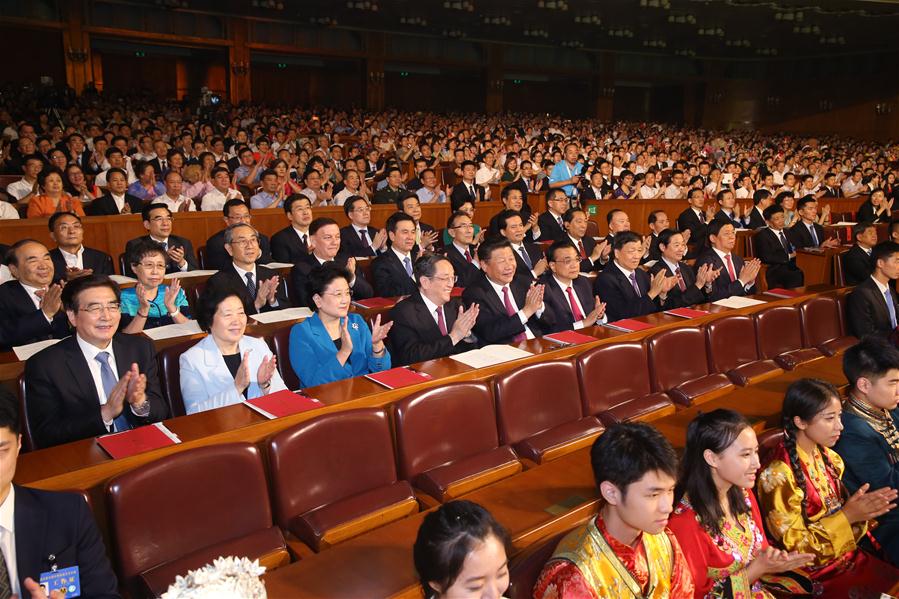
<point x="871" y="358"/>
<point x="858" y="229"/>
<point x="58" y="215"/>
<point x="446" y="537"/>
<point x="468" y="163"/>
<point x="611" y="215"/>
<point x="627" y="451"/>
<point x="426" y="265"/>
<point x="10" y="258"/>
<point x="42" y="176"/>
<point x="458" y="201"/>
<point x="231" y="203"/>
<point x="804" y="201"/>
<point x="502" y="219"/>
<point x="268" y="173"/>
<point x="74" y="288"/>
<point x="403" y="196"/>
<point x="147" y="209"/>
<point x="451" y="221"/>
<point x="760" y="195"/>
<point x="715" y="431"/>
<point x="321" y="276"/>
<point x="217" y="170"/>
<point x="652" y="218"/>
<point x="294" y="197"/>
<point x="557" y="245"/>
<point x="504" y="194"/>
<point x="568" y="216"/>
<point x="395" y="219"/>
<point x="665" y="236"/>
<point x="213" y="295"/>
<point x="769" y="212"/>
<point x="486" y="249"/>
<point x="144" y="247"/>
<point x="882" y="251"/>
<point x="623" y="238"/>
<point x="318" y="223"/>
<point x="9" y="413"/>
<point x="348" y="204"/>
<point x="716" y="225"/>
<point x="779" y="198"/>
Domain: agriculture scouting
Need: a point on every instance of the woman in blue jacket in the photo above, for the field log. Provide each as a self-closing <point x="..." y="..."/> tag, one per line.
<point x="334" y="344"/>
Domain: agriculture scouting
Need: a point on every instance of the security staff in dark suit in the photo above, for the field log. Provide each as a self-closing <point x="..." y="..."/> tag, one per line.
<point x="392" y="272"/>
<point x="70" y="258"/>
<point x="736" y="276"/>
<point x="95" y="381"/>
<point x="775" y="251"/>
<point x="690" y="288"/>
<point x="292" y="242"/>
<point x="856" y="262"/>
<point x="50" y="530"/>
<point x="430" y="323"/>
<point x="627" y="289"/>
<point x="510" y="309"/>
<point x="528" y="256"/>
<point x="550" y="222"/>
<point x="30" y="304"/>
<point x="358" y="238"/>
<point x="235" y="211"/>
<point x="806" y="232"/>
<point x="462" y="252"/>
<point x="467" y="189"/>
<point x="158" y="222"/>
<point x="695" y="219"/>
<point x="594" y="256"/>
<point x="567" y="294"/>
<point x="872" y="307"/>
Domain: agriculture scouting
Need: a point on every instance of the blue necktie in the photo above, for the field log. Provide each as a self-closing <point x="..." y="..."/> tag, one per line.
<point x="525" y="257"/>
<point x="109" y="380"/>
<point x="407" y="262"/>
<point x="811" y="230"/>
<point x="889" y="298"/>
<point x="251" y="286"/>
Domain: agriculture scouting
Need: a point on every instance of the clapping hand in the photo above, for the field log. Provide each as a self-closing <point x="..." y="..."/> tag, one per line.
<point x="465" y="321"/>
<point x="266" y="371"/>
<point x="51" y="300"/>
<point x="772" y="560"/>
<point x="749" y="271"/>
<point x="242" y="378"/>
<point x="176" y="255"/>
<point x="171" y="295"/>
<point x="866" y="505"/>
<point x="533" y="301"/>
<point x="379" y="332"/>
<point x="428" y="239"/>
<point x="599" y="310"/>
<point x="268" y="288"/>
<point x="706" y="274"/>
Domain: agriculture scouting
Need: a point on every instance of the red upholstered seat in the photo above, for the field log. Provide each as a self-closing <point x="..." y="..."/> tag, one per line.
<point x="821" y="328"/>
<point x="779" y="333"/>
<point x="167" y="360"/>
<point x="280" y="345"/>
<point x="733" y="349"/>
<point x="678" y="365"/>
<point x="525" y="568"/>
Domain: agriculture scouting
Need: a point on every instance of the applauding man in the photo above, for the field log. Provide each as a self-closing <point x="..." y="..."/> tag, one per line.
<point x="691" y="287"/>
<point x="737" y="277"/>
<point x="569" y="295"/>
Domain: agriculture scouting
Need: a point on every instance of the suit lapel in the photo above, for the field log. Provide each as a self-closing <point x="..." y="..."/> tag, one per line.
<point x="426" y="319"/>
<point x="31" y="523"/>
<point x="80" y="372"/>
<point x="584" y="294"/>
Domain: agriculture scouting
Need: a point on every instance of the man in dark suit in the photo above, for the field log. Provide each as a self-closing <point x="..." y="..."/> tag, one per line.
<point x="467" y="190"/>
<point x="729" y="210"/>
<point x="158" y="223"/>
<point x="658" y="222"/>
<point x="567" y="295"/>
<point x="77" y="153"/>
<point x="392" y="272"/>
<point x="70" y="258"/>
<point x="94" y="382"/>
<point x="830" y="187"/>
<point x="235" y="212"/>
<point x="259" y="287"/>
<point x="462" y="252"/>
<point x="326" y="240"/>
<point x="358" y="239"/>
<point x="528" y="256"/>
<point x="51" y="530"/>
<point x="695" y="219"/>
<point x="117" y="200"/>
<point x="690" y="287"/>
<point x="594" y="256"/>
<point x="550" y="222"/>
<point x="627" y="289"/>
<point x="856" y="262"/>
<point x="774" y="250"/>
<point x="761" y="199"/>
<point x="513" y="199"/>
<point x="527" y="182"/>
<point x="430" y="323"/>
<point x="806" y="232"/>
<point x="736" y="276"/>
<point x="291" y="243"/>
<point x="425" y="235"/>
<point x="30" y="305"/>
<point x="510" y="310"/>
<point x="598" y="189"/>
<point x="872" y="307"/>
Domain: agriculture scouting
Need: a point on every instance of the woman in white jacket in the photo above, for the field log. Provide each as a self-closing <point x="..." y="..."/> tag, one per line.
<point x="227" y="366"/>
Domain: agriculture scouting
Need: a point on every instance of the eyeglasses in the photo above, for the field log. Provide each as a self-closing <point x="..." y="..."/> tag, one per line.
<point x="339" y="294"/>
<point x="96" y="309"/>
<point x="161" y="219"/>
<point x="246" y="242"/>
<point x="362" y="209"/>
<point x="446" y="279"/>
<point x="566" y="261"/>
<point x="468" y="226"/>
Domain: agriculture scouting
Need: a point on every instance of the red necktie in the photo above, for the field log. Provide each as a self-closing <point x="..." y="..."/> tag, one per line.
<point x="510" y="311"/>
<point x="441" y="323"/>
<point x="580" y="247"/>
<point x="468" y="256"/>
<point x="730" y="268"/>
<point x="680" y="280"/>
<point x="575" y="311"/>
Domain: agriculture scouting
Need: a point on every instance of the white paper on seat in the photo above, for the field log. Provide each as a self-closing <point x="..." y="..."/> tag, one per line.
<point x="190" y="273"/>
<point x="843" y="223"/>
<point x="282" y="315"/>
<point x="23" y="352"/>
<point x="490" y="355"/>
<point x="122" y="279"/>
<point x="737" y="301"/>
<point x="170" y="331"/>
<point x="650" y="263"/>
<point x="277" y="265"/>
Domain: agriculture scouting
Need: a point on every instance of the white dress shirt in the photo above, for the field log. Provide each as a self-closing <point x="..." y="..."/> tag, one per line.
<point x="19" y="189"/>
<point x="8" y="538"/>
<point x="75" y="260"/>
<point x="8" y="211"/>
<point x="90" y="352"/>
<point x="403" y="257"/>
<point x="215" y="199"/>
<point x="243" y="278"/>
<point x="432" y="310"/>
<point x="498" y="289"/>
<point x="174" y="204"/>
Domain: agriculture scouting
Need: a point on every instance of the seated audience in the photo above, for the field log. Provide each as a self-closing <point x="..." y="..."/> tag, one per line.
<point x="467" y="189"/>
<point x="272" y="193"/>
<point x="227" y="366"/>
<point x="627" y="549"/>
<point x="618" y="221"/>
<point x="392" y="272"/>
<point x="696" y="220"/>
<point x="461" y="551"/>
<point x="425" y="235"/>
<point x="729" y="210"/>
<point x="805" y="504"/>
<point x="117" y="200"/>
<point x="872" y="306"/>
<point x="690" y="287"/>
<point x="513" y="199"/>
<point x="736" y="276"/>
<point x="429" y="192"/>
<point x="462" y="251"/>
<point x="158" y="222"/>
<point x="465" y="207"/>
<point x="806" y="232"/>
<point x="174" y="196"/>
<point x="658" y="222"/>
<point x="52" y="198"/>
<point x="550" y="223"/>
<point x="95" y="381"/>
<point x="359" y="239"/>
<point x="235" y="212"/>
<point x="394" y="189"/>
<point x="334" y="343"/>
<point x="30" y="303"/>
<point x="594" y="256"/>
<point x="70" y="258"/>
<point x="627" y="289"/>
<point x="147" y="187"/>
<point x="856" y="262"/>
<point x="529" y="258"/>
<point x="568" y="295"/>
<point x="716" y="517"/>
<point x="510" y="309"/>
<point x="776" y="252"/>
<point x="761" y="199"/>
<point x="116" y="159"/>
<point x="318" y="193"/>
<point x="291" y="243"/>
<point x="430" y="323"/>
<point x="221" y="192"/>
<point x="69" y="533"/>
<point x="876" y="209"/>
<point x="149" y="303"/>
<point x="27" y="187"/>
<point x="259" y="287"/>
<point x="869" y="442"/>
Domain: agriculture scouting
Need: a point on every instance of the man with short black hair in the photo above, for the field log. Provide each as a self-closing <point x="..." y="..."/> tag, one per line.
<point x="259" y="287"/>
<point x="594" y="256"/>
<point x="568" y="295"/>
<point x="627" y="289"/>
<point x="467" y="190"/>
<point x="392" y="271"/>
<point x="775" y="251"/>
<point x="872" y="307"/>
<point x="528" y="256"/>
<point x="690" y="287"/>
<point x="70" y="258"/>
<point x="358" y="238"/>
<point x="117" y="200"/>
<point x="27" y="187"/>
<point x="696" y="219"/>
<point x="394" y="188"/>
<point x="806" y="232"/>
<point x="159" y="222"/>
<point x="214" y="200"/>
<point x="272" y="193"/>
<point x="761" y="199"/>
<point x="462" y="252"/>
<point x="737" y="277"/>
<point x="550" y="222"/>
<point x="856" y="262"/>
<point x="291" y="243"/>
<point x="234" y="212"/>
<point x="425" y="235"/>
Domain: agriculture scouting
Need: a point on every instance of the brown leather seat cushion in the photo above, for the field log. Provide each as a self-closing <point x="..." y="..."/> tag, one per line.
<point x="636" y="408"/>
<point x="436" y="481"/>
<point x="838" y="345"/>
<point x="742" y="374"/>
<point x="792" y="359"/>
<point x="687" y="392"/>
<point x="535" y="447"/>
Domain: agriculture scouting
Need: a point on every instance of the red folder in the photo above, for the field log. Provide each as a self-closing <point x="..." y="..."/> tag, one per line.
<point x="375" y="302"/>
<point x="629" y="325"/>
<point x="569" y="338"/>
<point x="457" y="291"/>
<point x="779" y="292"/>
<point x="398" y="377"/>
<point x="282" y="403"/>
<point x="687" y="312"/>
<point x="137" y="440"/>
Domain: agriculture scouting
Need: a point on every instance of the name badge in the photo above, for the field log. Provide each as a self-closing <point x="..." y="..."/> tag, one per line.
<point x="66" y="581"/>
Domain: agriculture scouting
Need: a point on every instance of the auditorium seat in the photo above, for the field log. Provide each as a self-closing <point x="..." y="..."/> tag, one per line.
<point x="201" y="256"/>
<point x="539" y="411"/>
<point x="768" y="442"/>
<point x="614" y="384"/>
<point x="821" y="326"/>
<point x="525" y="568"/>
<point x="280" y="346"/>
<point x="840" y="297"/>
<point x="183" y="510"/>
<point x="779" y="333"/>
<point x="27" y="442"/>
<point x="733" y="349"/>
<point x="167" y="360"/>
<point x="839" y="278"/>
<point x="334" y="477"/>
<point x="447" y="442"/>
<point x="123" y="266"/>
<point x="678" y="365"/>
